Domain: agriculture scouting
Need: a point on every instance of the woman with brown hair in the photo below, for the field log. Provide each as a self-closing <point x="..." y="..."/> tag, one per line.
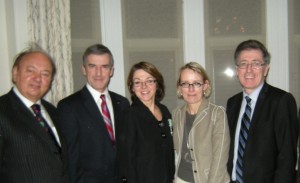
<point x="145" y="147"/>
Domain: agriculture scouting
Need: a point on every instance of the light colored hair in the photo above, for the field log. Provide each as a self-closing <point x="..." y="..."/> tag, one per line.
<point x="194" y="66"/>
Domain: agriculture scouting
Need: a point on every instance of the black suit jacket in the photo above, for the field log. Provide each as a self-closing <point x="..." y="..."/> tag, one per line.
<point x="270" y="153"/>
<point x="91" y="155"/>
<point x="145" y="149"/>
<point x="27" y="153"/>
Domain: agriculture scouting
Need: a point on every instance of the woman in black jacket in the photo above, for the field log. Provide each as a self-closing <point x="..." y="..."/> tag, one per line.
<point x="145" y="146"/>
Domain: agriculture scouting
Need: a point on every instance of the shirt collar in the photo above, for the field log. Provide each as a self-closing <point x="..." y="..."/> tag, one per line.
<point x="28" y="103"/>
<point x="96" y="94"/>
<point x="255" y="93"/>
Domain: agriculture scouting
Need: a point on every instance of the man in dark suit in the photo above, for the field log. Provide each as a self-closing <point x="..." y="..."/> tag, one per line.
<point x="88" y="128"/>
<point x="30" y="152"/>
<point x="263" y="129"/>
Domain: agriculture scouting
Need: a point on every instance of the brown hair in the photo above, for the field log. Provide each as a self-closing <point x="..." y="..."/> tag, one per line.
<point x="153" y="71"/>
<point x="252" y="44"/>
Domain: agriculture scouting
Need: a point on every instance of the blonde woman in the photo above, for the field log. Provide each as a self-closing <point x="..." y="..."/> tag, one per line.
<point x="201" y="136"/>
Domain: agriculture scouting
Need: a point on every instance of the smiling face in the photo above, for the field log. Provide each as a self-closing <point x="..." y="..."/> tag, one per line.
<point x="249" y="77"/>
<point x="98" y="71"/>
<point x="192" y="94"/>
<point x="144" y="86"/>
<point x="33" y="75"/>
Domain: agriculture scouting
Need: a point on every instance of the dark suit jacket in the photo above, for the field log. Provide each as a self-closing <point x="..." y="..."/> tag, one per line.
<point x="27" y="153"/>
<point x="91" y="155"/>
<point x="270" y="154"/>
<point x="145" y="146"/>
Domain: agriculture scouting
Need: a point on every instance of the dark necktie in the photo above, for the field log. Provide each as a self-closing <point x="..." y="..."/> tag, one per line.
<point x="245" y="126"/>
<point x="43" y="123"/>
<point x="107" y="119"/>
<point x="38" y="116"/>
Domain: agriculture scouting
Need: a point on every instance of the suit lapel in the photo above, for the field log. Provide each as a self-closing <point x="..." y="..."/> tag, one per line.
<point x="235" y="112"/>
<point x="28" y="119"/>
<point x="116" y="108"/>
<point x="258" y="108"/>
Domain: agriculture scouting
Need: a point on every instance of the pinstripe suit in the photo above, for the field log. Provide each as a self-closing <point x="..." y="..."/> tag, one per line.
<point x="27" y="153"/>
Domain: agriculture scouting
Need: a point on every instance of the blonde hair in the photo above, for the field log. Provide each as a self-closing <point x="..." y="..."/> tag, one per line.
<point x="194" y="66"/>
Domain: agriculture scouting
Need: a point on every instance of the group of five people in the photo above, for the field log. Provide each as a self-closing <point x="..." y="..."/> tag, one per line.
<point x="96" y="136"/>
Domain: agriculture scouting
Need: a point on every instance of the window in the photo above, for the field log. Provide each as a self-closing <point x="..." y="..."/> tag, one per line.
<point x="227" y="23"/>
<point x="85" y="31"/>
<point x="152" y="31"/>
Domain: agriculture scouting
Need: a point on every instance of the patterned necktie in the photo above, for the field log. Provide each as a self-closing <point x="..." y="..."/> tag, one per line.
<point x="42" y="122"/>
<point x="38" y="116"/>
<point x="245" y="126"/>
<point x="107" y="119"/>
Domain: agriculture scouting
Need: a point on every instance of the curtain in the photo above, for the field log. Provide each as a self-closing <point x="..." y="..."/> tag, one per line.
<point x="49" y="26"/>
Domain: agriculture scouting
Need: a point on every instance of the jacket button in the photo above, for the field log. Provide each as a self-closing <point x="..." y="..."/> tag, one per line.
<point x="195" y="171"/>
<point x="191" y="149"/>
<point x="124" y="179"/>
<point x="163" y="135"/>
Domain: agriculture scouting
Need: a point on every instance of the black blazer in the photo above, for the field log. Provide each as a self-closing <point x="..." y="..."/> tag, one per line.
<point x="91" y="155"/>
<point x="145" y="146"/>
<point x="270" y="154"/>
<point x="27" y="153"/>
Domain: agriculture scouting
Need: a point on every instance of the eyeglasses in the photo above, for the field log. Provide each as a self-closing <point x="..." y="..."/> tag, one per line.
<point x="254" y="65"/>
<point x="148" y="82"/>
<point x="193" y="85"/>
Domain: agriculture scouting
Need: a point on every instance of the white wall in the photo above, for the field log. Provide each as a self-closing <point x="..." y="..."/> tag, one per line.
<point x="4" y="64"/>
<point x="13" y="37"/>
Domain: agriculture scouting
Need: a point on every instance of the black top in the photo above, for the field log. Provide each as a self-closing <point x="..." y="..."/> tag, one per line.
<point x="145" y="146"/>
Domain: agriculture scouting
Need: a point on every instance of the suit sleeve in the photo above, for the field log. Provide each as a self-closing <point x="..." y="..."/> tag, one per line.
<point x="1" y="148"/>
<point x="286" y="134"/>
<point x="70" y="131"/>
<point x="221" y="140"/>
<point x="127" y="149"/>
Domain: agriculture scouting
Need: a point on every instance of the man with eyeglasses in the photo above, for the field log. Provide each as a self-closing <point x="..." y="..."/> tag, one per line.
<point x="262" y="121"/>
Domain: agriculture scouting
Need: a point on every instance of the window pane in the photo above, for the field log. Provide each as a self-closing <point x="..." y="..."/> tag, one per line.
<point x="85" y="31"/>
<point x="228" y="23"/>
<point x="152" y="31"/>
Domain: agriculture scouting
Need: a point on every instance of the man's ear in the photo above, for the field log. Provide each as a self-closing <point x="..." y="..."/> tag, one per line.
<point x="266" y="71"/>
<point x="112" y="70"/>
<point x="83" y="70"/>
<point x="14" y="74"/>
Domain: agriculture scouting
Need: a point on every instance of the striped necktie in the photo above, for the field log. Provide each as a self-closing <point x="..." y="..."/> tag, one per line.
<point x="107" y="119"/>
<point x="245" y="126"/>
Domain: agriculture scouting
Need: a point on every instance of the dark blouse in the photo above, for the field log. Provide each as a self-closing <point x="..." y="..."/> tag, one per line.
<point x="145" y="147"/>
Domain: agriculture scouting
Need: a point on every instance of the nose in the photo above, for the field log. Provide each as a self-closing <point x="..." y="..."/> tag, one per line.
<point x="191" y="87"/>
<point x="37" y="76"/>
<point x="143" y="84"/>
<point x="98" y="71"/>
<point x="249" y="67"/>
